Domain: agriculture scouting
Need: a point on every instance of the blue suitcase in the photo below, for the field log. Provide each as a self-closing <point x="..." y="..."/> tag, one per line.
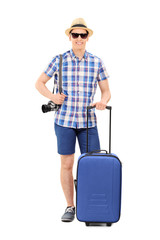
<point x="98" y="185"/>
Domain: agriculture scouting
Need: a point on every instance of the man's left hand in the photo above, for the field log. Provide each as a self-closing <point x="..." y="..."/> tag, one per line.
<point x="100" y="105"/>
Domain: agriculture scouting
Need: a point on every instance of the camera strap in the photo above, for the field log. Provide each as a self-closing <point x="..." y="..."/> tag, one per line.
<point x="60" y="76"/>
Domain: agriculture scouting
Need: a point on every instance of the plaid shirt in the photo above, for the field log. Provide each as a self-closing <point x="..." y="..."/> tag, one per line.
<point x="79" y="83"/>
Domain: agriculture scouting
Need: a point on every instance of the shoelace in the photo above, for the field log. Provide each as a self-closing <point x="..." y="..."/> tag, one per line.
<point x="70" y="209"/>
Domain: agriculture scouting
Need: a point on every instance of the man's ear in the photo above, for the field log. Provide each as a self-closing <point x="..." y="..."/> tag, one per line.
<point x="69" y="37"/>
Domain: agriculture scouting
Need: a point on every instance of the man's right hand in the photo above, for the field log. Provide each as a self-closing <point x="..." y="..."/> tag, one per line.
<point x="58" y="98"/>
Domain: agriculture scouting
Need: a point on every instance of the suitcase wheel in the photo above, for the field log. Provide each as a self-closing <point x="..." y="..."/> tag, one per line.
<point x="108" y="224"/>
<point x="87" y="224"/>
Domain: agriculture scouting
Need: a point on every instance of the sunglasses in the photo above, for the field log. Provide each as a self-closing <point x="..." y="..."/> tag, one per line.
<point x="76" y="35"/>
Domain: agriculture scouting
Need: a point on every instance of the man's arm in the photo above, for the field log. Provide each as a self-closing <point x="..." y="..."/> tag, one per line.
<point x="105" y="95"/>
<point x="41" y="87"/>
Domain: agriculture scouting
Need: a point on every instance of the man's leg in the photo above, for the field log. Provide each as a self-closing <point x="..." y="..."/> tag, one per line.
<point x="67" y="162"/>
<point x="68" y="186"/>
<point x="66" y="139"/>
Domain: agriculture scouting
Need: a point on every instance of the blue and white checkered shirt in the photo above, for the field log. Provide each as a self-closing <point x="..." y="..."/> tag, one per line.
<point x="79" y="83"/>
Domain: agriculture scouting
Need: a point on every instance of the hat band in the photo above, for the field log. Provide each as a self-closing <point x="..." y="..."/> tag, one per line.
<point x="79" y="25"/>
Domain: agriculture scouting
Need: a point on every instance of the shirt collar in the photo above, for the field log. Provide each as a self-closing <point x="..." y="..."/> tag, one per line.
<point x="73" y="55"/>
<point x="85" y="55"/>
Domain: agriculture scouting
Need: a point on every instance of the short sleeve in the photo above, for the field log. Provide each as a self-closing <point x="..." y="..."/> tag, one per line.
<point x="51" y="67"/>
<point x="102" y="72"/>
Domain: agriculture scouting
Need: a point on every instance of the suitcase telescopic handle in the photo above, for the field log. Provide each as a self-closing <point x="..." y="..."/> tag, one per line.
<point x="108" y="108"/>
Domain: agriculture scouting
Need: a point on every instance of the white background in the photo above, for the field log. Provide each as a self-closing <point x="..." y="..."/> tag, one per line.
<point x="126" y="37"/>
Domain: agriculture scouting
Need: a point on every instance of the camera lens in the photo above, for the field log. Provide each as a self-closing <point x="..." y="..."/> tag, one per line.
<point x="46" y="108"/>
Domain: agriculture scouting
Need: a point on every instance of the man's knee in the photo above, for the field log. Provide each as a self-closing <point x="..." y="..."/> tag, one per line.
<point x="67" y="161"/>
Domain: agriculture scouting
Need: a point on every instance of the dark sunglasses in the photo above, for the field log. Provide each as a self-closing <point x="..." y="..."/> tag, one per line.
<point x="76" y="35"/>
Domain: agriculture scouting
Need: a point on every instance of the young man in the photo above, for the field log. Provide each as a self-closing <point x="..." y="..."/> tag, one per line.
<point x="81" y="71"/>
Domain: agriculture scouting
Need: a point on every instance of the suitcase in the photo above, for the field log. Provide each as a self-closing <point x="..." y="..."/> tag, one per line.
<point x="98" y="185"/>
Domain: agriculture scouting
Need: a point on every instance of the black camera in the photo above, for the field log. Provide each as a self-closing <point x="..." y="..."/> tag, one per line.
<point x="51" y="106"/>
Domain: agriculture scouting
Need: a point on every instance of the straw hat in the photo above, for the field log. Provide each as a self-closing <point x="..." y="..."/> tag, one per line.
<point x="79" y="23"/>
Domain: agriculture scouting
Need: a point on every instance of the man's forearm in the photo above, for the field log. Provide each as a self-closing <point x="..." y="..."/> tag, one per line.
<point x="105" y="96"/>
<point x="44" y="90"/>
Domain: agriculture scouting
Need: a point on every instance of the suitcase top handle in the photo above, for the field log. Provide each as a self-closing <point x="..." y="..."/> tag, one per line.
<point x="109" y="108"/>
<point x="96" y="151"/>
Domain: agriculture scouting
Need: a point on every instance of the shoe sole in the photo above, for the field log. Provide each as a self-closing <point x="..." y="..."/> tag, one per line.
<point x="67" y="220"/>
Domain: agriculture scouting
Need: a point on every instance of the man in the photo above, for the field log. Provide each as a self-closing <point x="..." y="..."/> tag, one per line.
<point x="81" y="71"/>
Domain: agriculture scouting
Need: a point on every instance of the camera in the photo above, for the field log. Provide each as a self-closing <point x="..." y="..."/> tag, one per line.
<point x="51" y="106"/>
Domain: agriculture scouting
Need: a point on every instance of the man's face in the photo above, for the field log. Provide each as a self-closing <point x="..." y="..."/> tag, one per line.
<point x="78" y="43"/>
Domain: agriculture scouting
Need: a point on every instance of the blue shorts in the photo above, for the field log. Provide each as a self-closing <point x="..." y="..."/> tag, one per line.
<point x="66" y="139"/>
